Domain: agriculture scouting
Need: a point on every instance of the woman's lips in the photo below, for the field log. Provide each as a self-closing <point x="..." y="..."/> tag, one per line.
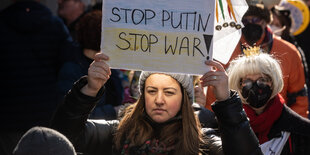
<point x="159" y="110"/>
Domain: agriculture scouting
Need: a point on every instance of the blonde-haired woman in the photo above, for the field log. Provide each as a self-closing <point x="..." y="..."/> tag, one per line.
<point x="258" y="80"/>
<point x="162" y="121"/>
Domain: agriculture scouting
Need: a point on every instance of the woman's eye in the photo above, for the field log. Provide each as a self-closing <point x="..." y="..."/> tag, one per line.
<point x="169" y="93"/>
<point x="151" y="91"/>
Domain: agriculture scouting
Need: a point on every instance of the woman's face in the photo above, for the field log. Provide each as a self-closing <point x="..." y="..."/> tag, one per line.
<point x="163" y="97"/>
<point x="256" y="89"/>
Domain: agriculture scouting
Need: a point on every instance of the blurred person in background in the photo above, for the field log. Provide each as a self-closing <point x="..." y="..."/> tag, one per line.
<point x="88" y="31"/>
<point x="34" y="44"/>
<point x="281" y="26"/>
<point x="71" y="11"/>
<point x="303" y="38"/>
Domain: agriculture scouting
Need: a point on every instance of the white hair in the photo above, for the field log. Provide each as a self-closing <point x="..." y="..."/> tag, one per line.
<point x="255" y="64"/>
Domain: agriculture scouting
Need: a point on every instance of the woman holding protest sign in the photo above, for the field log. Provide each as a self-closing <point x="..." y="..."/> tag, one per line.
<point x="257" y="77"/>
<point x="162" y="121"/>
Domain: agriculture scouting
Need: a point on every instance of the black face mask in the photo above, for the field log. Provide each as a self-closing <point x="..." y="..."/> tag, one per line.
<point x="257" y="96"/>
<point x="252" y="33"/>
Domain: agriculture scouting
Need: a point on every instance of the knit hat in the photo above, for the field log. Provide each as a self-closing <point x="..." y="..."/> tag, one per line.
<point x="41" y="140"/>
<point x="184" y="79"/>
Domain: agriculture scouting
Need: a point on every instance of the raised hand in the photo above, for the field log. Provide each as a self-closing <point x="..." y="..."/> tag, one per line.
<point x="200" y="97"/>
<point x="218" y="79"/>
<point x="98" y="74"/>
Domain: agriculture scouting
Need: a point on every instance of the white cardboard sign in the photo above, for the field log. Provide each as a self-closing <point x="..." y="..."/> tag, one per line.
<point x="159" y="35"/>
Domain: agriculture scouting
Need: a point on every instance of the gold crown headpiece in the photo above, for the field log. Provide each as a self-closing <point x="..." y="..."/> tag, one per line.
<point x="249" y="51"/>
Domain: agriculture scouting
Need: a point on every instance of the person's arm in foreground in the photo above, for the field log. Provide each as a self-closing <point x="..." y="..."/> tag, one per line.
<point x="71" y="117"/>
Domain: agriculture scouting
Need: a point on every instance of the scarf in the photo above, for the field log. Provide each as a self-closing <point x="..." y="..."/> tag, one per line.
<point x="150" y="147"/>
<point x="153" y="146"/>
<point x="261" y="124"/>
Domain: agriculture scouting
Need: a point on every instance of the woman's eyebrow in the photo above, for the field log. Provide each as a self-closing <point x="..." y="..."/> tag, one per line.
<point x="170" y="88"/>
<point x="151" y="87"/>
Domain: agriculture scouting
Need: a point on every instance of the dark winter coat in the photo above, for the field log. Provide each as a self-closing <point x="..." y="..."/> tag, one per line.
<point x="95" y="136"/>
<point x="289" y="121"/>
<point x="34" y="44"/>
<point x="299" y="127"/>
<point x="113" y="96"/>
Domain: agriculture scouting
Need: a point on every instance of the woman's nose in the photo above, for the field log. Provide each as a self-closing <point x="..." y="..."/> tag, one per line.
<point x="159" y="99"/>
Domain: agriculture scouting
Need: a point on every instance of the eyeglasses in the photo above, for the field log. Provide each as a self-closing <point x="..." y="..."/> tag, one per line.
<point x="261" y="82"/>
<point x="253" y="20"/>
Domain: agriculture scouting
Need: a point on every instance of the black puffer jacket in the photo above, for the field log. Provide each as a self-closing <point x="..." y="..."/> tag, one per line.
<point x="94" y="137"/>
<point x="289" y="121"/>
<point x="299" y="128"/>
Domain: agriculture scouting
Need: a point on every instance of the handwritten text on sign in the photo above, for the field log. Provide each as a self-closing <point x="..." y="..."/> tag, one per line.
<point x="168" y="36"/>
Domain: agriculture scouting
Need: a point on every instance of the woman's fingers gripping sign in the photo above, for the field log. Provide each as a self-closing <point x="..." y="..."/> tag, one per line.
<point x="98" y="74"/>
<point x="216" y="78"/>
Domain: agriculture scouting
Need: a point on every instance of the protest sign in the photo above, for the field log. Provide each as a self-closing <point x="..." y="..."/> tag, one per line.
<point x="159" y="35"/>
<point x="228" y="15"/>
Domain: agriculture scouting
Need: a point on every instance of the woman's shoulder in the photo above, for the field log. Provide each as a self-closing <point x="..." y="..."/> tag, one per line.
<point x="291" y="122"/>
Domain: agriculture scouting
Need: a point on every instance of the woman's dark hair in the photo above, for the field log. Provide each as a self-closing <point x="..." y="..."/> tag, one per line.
<point x="185" y="133"/>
